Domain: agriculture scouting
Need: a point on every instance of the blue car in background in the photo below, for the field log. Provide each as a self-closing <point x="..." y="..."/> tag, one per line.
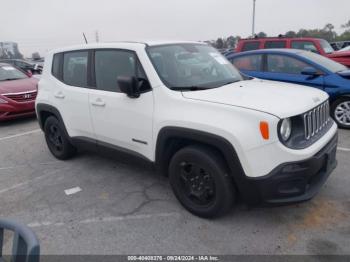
<point x="304" y="68"/>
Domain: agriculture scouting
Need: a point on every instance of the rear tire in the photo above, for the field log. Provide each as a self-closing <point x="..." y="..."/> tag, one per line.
<point x="340" y="111"/>
<point x="56" y="139"/>
<point x="201" y="182"/>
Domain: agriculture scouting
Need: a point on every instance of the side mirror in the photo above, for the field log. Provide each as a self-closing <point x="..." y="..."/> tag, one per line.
<point x="29" y="73"/>
<point x="129" y="86"/>
<point x="310" y="71"/>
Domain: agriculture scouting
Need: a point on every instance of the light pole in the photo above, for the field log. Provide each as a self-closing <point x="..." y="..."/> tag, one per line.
<point x="253" y="26"/>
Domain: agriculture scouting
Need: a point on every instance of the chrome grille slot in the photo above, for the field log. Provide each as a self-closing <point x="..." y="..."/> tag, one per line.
<point x="316" y="120"/>
<point x="22" y="97"/>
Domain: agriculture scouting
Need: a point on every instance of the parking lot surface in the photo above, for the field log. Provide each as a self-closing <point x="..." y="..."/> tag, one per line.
<point x="124" y="207"/>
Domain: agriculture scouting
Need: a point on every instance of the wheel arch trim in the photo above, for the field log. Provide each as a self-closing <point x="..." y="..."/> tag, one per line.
<point x="219" y="143"/>
<point x="41" y="107"/>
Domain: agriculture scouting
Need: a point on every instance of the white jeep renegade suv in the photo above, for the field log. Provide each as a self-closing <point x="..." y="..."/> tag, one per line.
<point x="184" y="107"/>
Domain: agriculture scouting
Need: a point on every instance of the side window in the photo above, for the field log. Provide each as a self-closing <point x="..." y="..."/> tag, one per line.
<point x="56" y="66"/>
<point x="75" y="68"/>
<point x="110" y="64"/>
<point x="305" y="45"/>
<point x="284" y="64"/>
<point x="275" y="44"/>
<point x="250" y="63"/>
<point x="250" y="46"/>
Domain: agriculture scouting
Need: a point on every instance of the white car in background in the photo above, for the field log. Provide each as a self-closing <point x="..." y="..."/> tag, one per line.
<point x="344" y="49"/>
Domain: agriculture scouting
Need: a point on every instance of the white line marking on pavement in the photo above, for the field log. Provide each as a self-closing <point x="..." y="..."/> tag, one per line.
<point x="130" y="217"/>
<point x="72" y="191"/>
<point x="21" y="134"/>
<point x="38" y="164"/>
<point x="106" y="219"/>
<point x="344" y="149"/>
<point x="22" y="184"/>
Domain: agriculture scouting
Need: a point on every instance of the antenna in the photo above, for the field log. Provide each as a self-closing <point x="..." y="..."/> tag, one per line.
<point x="85" y="38"/>
<point x="97" y="36"/>
<point x="253" y="25"/>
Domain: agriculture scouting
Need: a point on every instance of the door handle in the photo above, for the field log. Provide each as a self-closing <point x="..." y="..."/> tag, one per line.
<point x="59" y="95"/>
<point x="98" y="102"/>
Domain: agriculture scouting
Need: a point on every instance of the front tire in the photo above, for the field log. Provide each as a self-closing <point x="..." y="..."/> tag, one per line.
<point x="56" y="139"/>
<point x="340" y="111"/>
<point x="201" y="182"/>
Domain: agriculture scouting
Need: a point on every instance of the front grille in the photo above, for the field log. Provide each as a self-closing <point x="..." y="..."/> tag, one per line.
<point x="22" y="97"/>
<point x="316" y="120"/>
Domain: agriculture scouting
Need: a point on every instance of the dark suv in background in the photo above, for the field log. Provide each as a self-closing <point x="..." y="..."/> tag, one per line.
<point x="24" y="65"/>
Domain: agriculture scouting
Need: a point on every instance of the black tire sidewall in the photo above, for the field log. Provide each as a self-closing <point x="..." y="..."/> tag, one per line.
<point x="224" y="189"/>
<point x="68" y="150"/>
<point x="334" y="106"/>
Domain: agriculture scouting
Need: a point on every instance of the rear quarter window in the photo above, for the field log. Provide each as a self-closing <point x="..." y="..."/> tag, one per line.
<point x="56" y="65"/>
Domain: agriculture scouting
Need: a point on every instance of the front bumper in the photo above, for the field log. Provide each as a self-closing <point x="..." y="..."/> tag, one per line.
<point x="293" y="182"/>
<point x="14" y="110"/>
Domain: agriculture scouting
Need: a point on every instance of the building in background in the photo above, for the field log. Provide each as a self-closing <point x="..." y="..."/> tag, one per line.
<point x="9" y="50"/>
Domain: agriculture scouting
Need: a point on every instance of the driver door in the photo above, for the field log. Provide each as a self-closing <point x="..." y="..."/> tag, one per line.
<point x="118" y="120"/>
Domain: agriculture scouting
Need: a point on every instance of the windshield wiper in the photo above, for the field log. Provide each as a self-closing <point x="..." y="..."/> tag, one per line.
<point x="188" y="88"/>
<point x="10" y="79"/>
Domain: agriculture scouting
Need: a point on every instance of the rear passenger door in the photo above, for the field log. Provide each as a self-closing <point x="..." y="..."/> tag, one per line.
<point x="70" y="92"/>
<point x="117" y="119"/>
<point x="285" y="68"/>
<point x="250" y="65"/>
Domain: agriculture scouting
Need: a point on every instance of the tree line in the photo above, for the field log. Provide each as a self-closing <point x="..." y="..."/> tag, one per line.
<point x="327" y="33"/>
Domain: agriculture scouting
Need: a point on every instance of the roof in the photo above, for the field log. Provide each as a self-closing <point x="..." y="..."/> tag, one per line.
<point x="271" y="50"/>
<point x="124" y="44"/>
<point x="280" y="38"/>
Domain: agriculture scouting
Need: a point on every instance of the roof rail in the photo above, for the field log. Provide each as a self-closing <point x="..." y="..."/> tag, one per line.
<point x="267" y="37"/>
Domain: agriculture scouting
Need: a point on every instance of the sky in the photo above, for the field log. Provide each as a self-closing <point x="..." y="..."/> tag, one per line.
<point x="41" y="25"/>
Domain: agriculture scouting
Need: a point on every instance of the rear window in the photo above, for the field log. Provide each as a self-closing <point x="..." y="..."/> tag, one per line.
<point x="248" y="46"/>
<point x="275" y="44"/>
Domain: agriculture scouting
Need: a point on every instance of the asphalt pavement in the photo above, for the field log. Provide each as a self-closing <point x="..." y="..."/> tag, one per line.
<point x="120" y="206"/>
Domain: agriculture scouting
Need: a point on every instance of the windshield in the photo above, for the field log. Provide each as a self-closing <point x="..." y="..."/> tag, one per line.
<point x="327" y="63"/>
<point x="10" y="73"/>
<point x="328" y="49"/>
<point x="183" y="66"/>
<point x="345" y="49"/>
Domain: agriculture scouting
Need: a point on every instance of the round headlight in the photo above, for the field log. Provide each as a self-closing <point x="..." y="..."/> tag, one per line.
<point x="286" y="129"/>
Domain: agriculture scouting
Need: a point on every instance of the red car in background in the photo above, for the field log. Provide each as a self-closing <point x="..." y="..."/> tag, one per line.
<point x="18" y="91"/>
<point x="316" y="45"/>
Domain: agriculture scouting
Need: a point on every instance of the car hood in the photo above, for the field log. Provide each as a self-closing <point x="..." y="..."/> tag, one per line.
<point x="339" y="54"/>
<point x="276" y="98"/>
<point x="18" y="86"/>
